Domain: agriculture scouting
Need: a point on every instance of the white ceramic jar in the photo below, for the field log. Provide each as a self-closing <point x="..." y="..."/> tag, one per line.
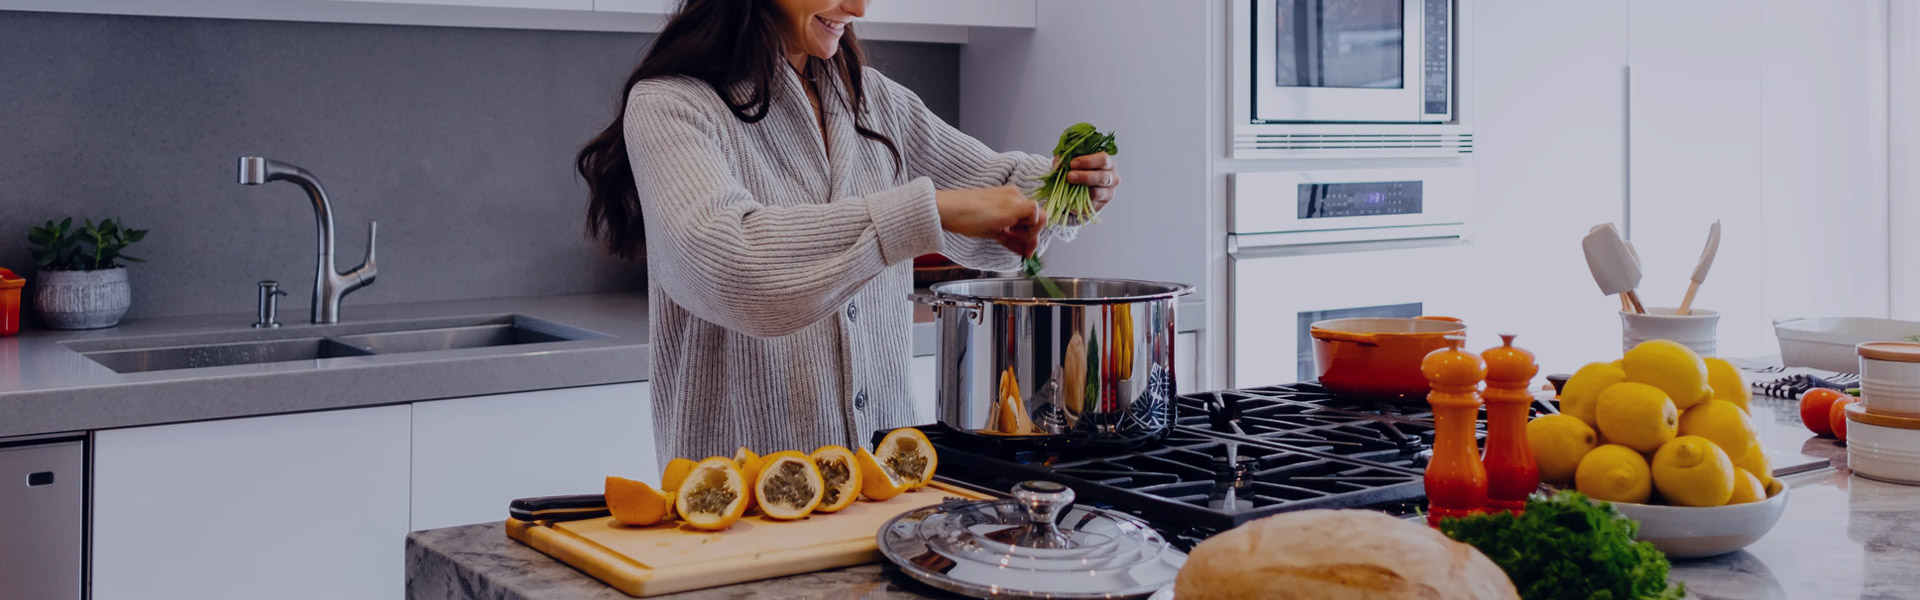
<point x="1883" y="447"/>
<point x="1890" y="378"/>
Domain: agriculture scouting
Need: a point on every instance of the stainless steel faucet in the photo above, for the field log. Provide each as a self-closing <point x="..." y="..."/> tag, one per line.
<point x="329" y="286"/>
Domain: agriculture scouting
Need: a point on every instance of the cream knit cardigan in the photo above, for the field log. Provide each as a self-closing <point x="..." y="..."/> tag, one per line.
<point x="778" y="267"/>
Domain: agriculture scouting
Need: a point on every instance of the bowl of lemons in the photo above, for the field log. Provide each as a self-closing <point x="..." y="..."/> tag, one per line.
<point x="1665" y="436"/>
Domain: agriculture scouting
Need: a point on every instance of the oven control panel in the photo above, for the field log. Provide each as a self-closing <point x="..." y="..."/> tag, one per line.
<point x="1365" y="199"/>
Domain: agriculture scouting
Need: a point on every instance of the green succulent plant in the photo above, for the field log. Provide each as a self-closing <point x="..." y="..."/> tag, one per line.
<point x="60" y="246"/>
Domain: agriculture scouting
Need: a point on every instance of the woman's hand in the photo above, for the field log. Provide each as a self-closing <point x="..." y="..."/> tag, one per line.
<point x="1002" y="214"/>
<point x="1095" y="171"/>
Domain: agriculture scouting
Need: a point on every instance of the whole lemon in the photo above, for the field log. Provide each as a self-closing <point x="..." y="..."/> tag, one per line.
<point x="1636" y="415"/>
<point x="1691" y="471"/>
<point x="1722" y="423"/>
<point x="1614" y="473"/>
<point x="1582" y="391"/>
<point x="1673" y="368"/>
<point x="1755" y="462"/>
<point x="1559" y="442"/>
<point x="1727" y="383"/>
<point x="1746" y="488"/>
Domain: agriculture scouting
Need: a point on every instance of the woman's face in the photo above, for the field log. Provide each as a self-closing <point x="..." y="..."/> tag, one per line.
<point x="814" y="27"/>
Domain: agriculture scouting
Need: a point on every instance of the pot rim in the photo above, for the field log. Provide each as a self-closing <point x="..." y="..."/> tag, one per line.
<point x="1178" y="289"/>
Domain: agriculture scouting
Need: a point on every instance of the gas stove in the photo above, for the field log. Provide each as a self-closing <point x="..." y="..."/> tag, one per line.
<point x="1231" y="457"/>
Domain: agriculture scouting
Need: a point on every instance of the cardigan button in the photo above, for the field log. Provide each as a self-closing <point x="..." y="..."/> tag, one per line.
<point x="860" y="401"/>
<point x="853" y="311"/>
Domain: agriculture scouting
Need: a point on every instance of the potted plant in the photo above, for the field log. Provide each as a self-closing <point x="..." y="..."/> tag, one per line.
<point x="82" y="284"/>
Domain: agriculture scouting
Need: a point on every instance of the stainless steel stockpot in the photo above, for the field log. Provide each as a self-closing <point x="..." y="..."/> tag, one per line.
<point x="1093" y="366"/>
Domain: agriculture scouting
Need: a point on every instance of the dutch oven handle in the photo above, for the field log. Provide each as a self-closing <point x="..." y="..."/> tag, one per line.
<point x="1344" y="336"/>
<point x="973" y="308"/>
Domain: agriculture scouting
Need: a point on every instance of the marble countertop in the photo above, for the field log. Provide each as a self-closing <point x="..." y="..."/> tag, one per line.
<point x="1842" y="536"/>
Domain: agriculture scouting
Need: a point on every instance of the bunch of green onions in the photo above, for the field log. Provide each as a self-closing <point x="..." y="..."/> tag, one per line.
<point x="1067" y="203"/>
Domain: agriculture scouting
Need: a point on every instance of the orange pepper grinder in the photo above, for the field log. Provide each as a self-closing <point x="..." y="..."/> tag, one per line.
<point x="1512" y="474"/>
<point x="1456" y="481"/>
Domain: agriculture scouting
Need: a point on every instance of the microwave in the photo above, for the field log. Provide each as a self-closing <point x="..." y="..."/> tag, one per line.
<point x="1347" y="78"/>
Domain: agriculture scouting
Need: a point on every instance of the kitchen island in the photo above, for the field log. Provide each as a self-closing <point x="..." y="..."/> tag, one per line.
<point x="1842" y="536"/>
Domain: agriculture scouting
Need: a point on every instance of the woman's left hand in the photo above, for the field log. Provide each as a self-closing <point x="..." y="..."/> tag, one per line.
<point x="1095" y="171"/>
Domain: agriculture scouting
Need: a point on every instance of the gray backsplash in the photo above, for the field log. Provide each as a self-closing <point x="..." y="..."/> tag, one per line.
<point x="458" y="141"/>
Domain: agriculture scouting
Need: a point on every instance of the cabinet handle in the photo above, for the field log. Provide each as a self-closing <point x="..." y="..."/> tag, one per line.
<point x="40" y="479"/>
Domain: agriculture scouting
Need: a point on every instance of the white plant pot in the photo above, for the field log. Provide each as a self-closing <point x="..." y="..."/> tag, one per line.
<point x="82" y="299"/>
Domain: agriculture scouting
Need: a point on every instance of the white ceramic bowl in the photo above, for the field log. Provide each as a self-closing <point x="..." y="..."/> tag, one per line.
<point x="1828" y="343"/>
<point x="1883" y="447"/>
<point x="1701" y="531"/>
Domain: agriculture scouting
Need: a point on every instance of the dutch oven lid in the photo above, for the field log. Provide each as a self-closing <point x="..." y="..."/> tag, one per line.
<point x="1014" y="549"/>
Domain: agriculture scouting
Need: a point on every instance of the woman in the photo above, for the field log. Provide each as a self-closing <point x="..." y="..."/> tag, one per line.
<point x="778" y="191"/>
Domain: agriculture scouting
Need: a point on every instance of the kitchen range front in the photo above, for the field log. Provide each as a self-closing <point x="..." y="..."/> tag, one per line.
<point x="988" y="299"/>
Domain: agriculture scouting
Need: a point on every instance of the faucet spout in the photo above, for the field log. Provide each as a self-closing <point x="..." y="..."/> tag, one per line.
<point x="329" y="285"/>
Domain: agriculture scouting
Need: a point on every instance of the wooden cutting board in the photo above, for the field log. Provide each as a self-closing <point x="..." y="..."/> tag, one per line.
<point x="671" y="557"/>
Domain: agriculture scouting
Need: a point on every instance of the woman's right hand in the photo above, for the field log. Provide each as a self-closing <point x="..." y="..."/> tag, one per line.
<point x="1002" y="214"/>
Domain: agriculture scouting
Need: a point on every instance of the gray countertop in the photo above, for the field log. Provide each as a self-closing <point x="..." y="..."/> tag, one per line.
<point x="45" y="386"/>
<point x="1842" y="536"/>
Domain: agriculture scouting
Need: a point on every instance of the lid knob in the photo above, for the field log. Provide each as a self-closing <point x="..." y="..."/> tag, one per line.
<point x="1043" y="500"/>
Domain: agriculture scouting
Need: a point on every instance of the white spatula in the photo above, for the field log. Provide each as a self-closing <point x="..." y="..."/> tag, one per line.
<point x="1700" y="270"/>
<point x="1613" y="264"/>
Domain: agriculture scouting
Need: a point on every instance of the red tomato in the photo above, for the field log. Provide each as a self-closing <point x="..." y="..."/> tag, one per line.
<point x="1837" y="418"/>
<point x="1816" y="410"/>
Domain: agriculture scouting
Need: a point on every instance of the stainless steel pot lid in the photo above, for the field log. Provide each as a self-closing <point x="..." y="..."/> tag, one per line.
<point x="1013" y="549"/>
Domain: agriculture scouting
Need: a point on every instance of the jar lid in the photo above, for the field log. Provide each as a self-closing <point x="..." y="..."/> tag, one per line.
<point x="1857" y="412"/>
<point x="1014" y="549"/>
<point x="1907" y="352"/>
<point x="9" y="280"/>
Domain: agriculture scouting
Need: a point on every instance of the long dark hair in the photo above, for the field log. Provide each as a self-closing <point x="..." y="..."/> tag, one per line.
<point x="720" y="42"/>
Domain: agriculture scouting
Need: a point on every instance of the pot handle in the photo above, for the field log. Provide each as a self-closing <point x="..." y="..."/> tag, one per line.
<point x="1344" y="336"/>
<point x="973" y="308"/>
<point x="1439" y="318"/>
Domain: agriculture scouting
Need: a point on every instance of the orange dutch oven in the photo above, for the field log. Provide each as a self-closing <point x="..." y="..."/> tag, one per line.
<point x="1379" y="358"/>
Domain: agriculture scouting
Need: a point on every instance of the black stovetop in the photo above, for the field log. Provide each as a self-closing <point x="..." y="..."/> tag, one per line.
<point x="1232" y="456"/>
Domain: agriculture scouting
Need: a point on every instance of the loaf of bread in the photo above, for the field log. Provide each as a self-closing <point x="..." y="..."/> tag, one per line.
<point x="1338" y="555"/>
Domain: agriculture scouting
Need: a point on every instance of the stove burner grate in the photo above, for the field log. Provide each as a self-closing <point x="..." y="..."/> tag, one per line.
<point x="1191" y="478"/>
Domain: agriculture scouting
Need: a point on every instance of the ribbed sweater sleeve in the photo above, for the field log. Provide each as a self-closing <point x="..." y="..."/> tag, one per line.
<point x="956" y="161"/>
<point x="763" y="270"/>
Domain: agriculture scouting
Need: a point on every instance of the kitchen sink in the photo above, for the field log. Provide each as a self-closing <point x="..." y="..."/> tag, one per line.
<point x="220" y="349"/>
<point x="221" y="355"/>
<point x="449" y="338"/>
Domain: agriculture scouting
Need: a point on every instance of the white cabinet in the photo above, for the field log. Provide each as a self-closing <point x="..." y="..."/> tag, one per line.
<point x="298" y="506"/>
<point x="471" y="456"/>
<point x="925" y="380"/>
<point x="1186" y="362"/>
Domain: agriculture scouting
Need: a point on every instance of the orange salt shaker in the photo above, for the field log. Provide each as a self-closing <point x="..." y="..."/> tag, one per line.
<point x="10" y="285"/>
<point x="1512" y="474"/>
<point x="1456" y="481"/>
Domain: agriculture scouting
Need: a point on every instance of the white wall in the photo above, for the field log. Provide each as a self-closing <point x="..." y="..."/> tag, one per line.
<point x="1550" y="147"/>
<point x="1903" y="156"/>
<point x="1135" y="67"/>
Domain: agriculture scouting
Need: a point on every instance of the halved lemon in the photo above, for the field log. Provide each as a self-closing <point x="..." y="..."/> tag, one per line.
<point x="635" y="502"/>
<point x="749" y="464"/>
<point x="910" y="456"/>
<point x="877" y="482"/>
<point x="841" y="475"/>
<point x="713" y="496"/>
<point x="677" y="470"/>
<point x="789" y="485"/>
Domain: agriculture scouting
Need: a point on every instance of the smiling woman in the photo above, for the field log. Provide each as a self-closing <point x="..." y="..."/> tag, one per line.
<point x="778" y="190"/>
